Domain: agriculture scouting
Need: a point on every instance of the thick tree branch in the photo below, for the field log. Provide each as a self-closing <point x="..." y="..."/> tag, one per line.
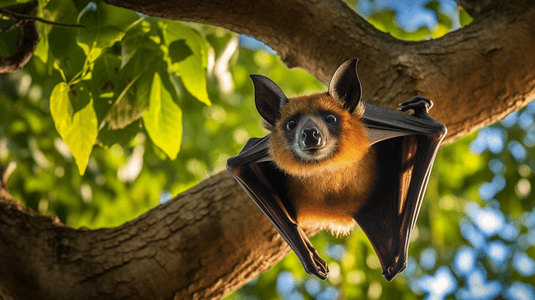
<point x="476" y="75"/>
<point x="203" y="244"/>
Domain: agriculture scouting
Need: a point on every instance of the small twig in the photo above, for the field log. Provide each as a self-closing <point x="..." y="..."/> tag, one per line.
<point x="15" y="25"/>
<point x="26" y="43"/>
<point x="34" y="18"/>
<point x="5" y="172"/>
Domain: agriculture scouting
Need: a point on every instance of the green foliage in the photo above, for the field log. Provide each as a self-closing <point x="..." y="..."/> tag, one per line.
<point x="115" y="64"/>
<point x="385" y="21"/>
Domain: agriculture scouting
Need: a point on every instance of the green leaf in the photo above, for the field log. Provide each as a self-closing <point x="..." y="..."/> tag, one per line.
<point x="465" y="17"/>
<point x="140" y="36"/>
<point x="8" y="42"/>
<point x="42" y="48"/>
<point x="179" y="51"/>
<point x="105" y="83"/>
<point x="189" y="62"/>
<point x="141" y="60"/>
<point x="163" y="120"/>
<point x="104" y="26"/>
<point x="61" y="41"/>
<point x="108" y="137"/>
<point x="78" y="129"/>
<point x="131" y="103"/>
<point x="69" y="56"/>
<point x="444" y="20"/>
<point x="61" y="108"/>
<point x="60" y="11"/>
<point x="119" y="98"/>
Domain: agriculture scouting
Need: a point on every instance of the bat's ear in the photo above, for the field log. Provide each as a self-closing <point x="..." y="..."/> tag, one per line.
<point x="269" y="98"/>
<point x="345" y="85"/>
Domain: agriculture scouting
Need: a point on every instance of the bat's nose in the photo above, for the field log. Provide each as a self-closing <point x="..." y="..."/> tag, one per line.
<point x="311" y="139"/>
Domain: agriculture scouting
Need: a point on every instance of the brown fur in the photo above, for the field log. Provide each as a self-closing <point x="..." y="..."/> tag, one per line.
<point x="326" y="194"/>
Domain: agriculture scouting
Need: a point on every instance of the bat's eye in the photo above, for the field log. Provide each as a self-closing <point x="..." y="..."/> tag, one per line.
<point x="291" y="124"/>
<point x="330" y="119"/>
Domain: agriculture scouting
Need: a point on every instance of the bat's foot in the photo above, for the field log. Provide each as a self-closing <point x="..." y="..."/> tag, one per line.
<point x="316" y="266"/>
<point x="394" y="270"/>
<point x="322" y="270"/>
<point x="420" y="105"/>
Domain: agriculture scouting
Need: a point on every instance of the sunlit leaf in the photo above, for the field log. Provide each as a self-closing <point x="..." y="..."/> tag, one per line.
<point x="440" y="31"/>
<point x="163" y="119"/>
<point x="465" y="17"/>
<point x="189" y="57"/>
<point x="104" y="25"/>
<point x="78" y="129"/>
<point x="42" y="48"/>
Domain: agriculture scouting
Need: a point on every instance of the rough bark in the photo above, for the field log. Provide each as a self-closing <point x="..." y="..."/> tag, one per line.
<point x="476" y="7"/>
<point x="212" y="239"/>
<point x="203" y="244"/>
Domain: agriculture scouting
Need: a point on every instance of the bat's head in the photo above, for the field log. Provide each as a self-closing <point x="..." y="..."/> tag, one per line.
<point x="315" y="133"/>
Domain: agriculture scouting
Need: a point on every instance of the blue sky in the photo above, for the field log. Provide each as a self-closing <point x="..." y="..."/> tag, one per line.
<point x="411" y="14"/>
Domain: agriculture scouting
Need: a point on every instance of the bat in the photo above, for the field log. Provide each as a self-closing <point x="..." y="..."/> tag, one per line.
<point x="331" y="162"/>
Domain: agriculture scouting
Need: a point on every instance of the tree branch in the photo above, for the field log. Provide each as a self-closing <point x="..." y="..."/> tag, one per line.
<point x="25" y="17"/>
<point x="26" y="43"/>
<point x="476" y="75"/>
<point x="203" y="244"/>
<point x="477" y="7"/>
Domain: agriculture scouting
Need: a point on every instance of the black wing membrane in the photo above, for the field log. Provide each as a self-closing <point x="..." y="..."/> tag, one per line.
<point x="266" y="185"/>
<point x="405" y="147"/>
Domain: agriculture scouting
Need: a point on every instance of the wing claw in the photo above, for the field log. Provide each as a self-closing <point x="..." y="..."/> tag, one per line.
<point x="419" y="104"/>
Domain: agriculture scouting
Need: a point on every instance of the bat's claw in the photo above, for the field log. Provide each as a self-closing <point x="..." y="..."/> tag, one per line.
<point x="418" y="104"/>
<point x="394" y="270"/>
<point x="318" y="268"/>
<point x="322" y="268"/>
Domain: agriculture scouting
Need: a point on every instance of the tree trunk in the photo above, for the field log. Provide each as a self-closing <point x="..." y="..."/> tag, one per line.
<point x="212" y="239"/>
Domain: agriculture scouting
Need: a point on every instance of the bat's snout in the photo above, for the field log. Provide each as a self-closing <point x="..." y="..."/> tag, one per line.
<point x="311" y="139"/>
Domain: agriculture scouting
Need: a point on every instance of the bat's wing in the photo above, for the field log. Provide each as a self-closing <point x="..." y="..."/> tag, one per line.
<point x="266" y="185"/>
<point x="405" y="147"/>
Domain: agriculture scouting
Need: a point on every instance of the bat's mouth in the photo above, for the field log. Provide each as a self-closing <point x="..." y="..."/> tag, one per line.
<point x="312" y="149"/>
<point x="315" y="153"/>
